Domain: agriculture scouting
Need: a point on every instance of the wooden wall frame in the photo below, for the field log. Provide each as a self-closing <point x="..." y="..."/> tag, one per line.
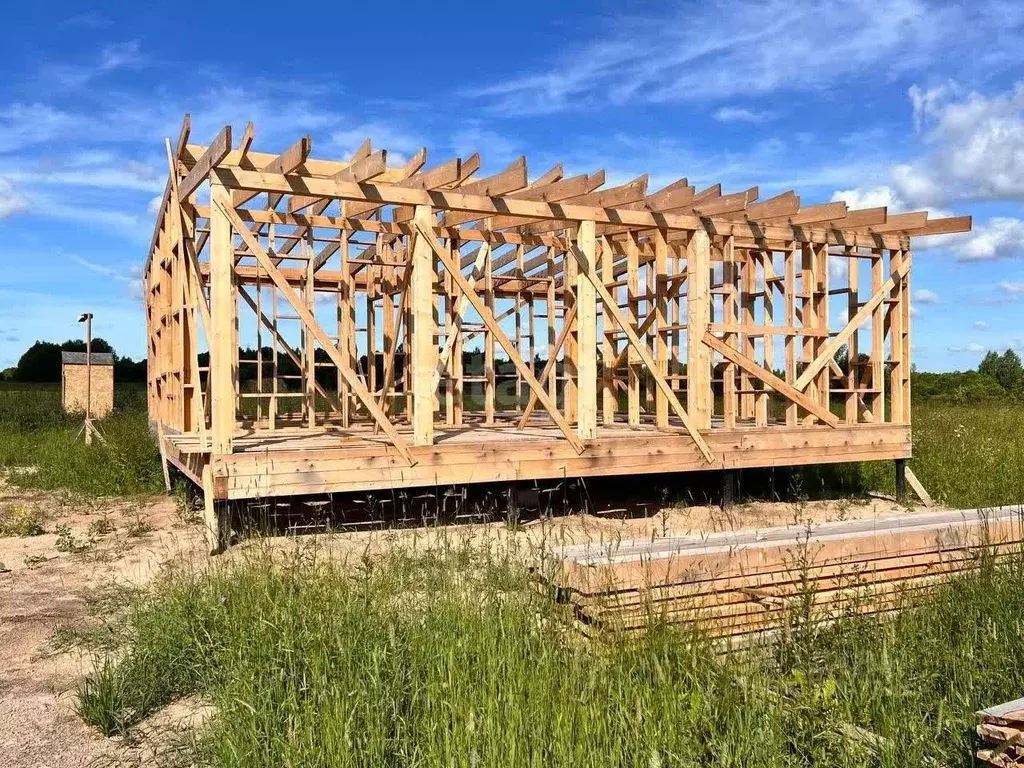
<point x="418" y="325"/>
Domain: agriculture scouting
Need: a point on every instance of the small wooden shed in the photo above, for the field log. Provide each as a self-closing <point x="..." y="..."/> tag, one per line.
<point x="74" y="382"/>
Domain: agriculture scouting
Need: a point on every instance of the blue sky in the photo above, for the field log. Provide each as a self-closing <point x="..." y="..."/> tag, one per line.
<point x="909" y="104"/>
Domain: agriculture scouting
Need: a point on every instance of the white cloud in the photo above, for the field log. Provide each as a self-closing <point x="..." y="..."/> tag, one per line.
<point x="981" y="325"/>
<point x="869" y="197"/>
<point x="926" y="296"/>
<point x="492" y="146"/>
<point x="383" y="134"/>
<point x="63" y="76"/>
<point x="687" y="52"/>
<point x="998" y="238"/>
<point x="973" y="148"/>
<point x="1011" y="288"/>
<point x="973" y="348"/>
<point x="977" y="145"/>
<point x="11" y="200"/>
<point x="741" y="115"/>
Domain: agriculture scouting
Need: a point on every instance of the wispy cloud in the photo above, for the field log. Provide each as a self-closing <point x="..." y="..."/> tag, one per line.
<point x="731" y="48"/>
<point x="925" y="296"/>
<point x="742" y="115"/>
<point x="11" y="200"/>
<point x="972" y="347"/>
<point x="1011" y="288"/>
<point x="63" y="76"/>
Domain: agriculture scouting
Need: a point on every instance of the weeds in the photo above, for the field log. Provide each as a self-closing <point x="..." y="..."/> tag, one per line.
<point x="21" y="520"/>
<point x="101" y="527"/>
<point x="66" y="541"/>
<point x="139" y="526"/>
<point x="449" y="657"/>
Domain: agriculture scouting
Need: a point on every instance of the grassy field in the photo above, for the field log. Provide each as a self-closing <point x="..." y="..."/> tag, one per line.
<point x="35" y="432"/>
<point x="449" y="658"/>
<point x="966" y="456"/>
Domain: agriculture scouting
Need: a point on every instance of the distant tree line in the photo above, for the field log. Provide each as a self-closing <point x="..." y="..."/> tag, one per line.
<point x="41" y="362"/>
<point x="999" y="377"/>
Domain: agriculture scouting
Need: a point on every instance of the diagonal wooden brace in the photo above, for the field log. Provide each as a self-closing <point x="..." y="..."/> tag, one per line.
<point x="587" y="270"/>
<point x="452" y="266"/>
<point x="771" y="380"/>
<point x="828" y="352"/>
<point x="330" y="398"/>
<point x="318" y="333"/>
<point x="568" y="323"/>
<point x="482" y="254"/>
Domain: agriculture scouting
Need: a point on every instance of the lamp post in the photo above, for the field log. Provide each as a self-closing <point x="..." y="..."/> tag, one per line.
<point x="88" y="427"/>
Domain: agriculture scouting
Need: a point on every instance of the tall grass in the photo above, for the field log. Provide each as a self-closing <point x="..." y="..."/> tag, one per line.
<point x="967" y="456"/>
<point x="36" y="433"/>
<point x="450" y="658"/>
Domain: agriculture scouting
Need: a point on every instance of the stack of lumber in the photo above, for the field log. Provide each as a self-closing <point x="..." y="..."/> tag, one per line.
<point x="743" y="582"/>
<point x="1001" y="732"/>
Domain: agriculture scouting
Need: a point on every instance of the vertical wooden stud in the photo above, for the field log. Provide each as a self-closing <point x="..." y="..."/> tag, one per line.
<point x="699" y="396"/>
<point x="586" y="325"/>
<point x="223" y="350"/>
<point x="424" y="350"/>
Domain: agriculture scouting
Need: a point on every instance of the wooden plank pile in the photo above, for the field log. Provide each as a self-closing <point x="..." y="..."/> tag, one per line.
<point x="746" y="582"/>
<point x="1001" y="734"/>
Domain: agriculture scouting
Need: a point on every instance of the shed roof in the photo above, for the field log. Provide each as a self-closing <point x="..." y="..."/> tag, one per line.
<point x="78" y="358"/>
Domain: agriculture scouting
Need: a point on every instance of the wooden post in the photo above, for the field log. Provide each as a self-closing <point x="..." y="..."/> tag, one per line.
<point x="660" y="306"/>
<point x="699" y="396"/>
<point x="223" y="374"/>
<point x="747" y="299"/>
<point x="586" y="325"/>
<point x="346" y="327"/>
<point x="730" y="316"/>
<point x="877" y="341"/>
<point x="424" y="350"/>
<point x="791" y="321"/>
<point x="609" y="342"/>
<point x="309" y="346"/>
<point x="551" y="310"/>
<point x="490" y="380"/>
<point x="632" y="312"/>
<point x="852" y="411"/>
<point x="571" y="354"/>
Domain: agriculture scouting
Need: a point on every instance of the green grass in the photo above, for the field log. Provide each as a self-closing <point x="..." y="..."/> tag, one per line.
<point x="451" y="659"/>
<point x="35" y="432"/>
<point x="966" y="456"/>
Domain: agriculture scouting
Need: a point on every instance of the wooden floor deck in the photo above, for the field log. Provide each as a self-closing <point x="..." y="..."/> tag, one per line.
<point x="294" y="461"/>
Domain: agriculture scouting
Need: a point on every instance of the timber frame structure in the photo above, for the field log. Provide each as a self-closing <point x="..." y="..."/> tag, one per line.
<point x="620" y="331"/>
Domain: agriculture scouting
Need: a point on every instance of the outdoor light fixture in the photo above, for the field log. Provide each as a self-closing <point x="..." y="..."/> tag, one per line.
<point x="88" y="427"/>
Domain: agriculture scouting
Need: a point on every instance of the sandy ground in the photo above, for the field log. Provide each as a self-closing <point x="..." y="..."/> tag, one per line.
<point x="43" y="590"/>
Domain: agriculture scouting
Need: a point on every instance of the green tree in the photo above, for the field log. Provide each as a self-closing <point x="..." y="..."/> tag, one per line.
<point x="1005" y="369"/>
<point x="41" y="361"/>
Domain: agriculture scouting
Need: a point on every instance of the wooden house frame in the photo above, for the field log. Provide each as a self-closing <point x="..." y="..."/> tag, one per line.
<point x="639" y="331"/>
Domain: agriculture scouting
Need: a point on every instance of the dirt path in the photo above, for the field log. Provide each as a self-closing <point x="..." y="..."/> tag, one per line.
<point x="44" y="590"/>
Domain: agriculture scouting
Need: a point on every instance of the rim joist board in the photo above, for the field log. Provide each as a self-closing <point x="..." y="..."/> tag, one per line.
<point x="391" y="305"/>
